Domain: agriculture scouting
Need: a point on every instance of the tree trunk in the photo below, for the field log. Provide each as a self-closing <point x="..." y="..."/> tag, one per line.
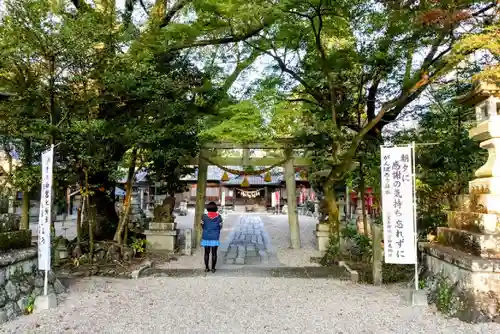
<point x="125" y="234"/>
<point x="128" y="198"/>
<point x="362" y="190"/>
<point x="25" y="211"/>
<point x="333" y="211"/>
<point x="106" y="220"/>
<point x="77" y="251"/>
<point x="53" y="121"/>
<point x="92" y="218"/>
<point x="78" y="226"/>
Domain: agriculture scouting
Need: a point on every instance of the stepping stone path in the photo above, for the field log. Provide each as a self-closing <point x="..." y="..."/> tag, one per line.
<point x="248" y="243"/>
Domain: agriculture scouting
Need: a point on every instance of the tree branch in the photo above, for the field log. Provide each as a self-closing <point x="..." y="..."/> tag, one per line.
<point x="304" y="101"/>
<point x="324" y="64"/>
<point x="293" y="74"/>
<point x="240" y="67"/>
<point x="219" y="41"/>
<point x="77" y="3"/>
<point x="81" y="4"/>
<point x="143" y="5"/>
<point x="349" y="155"/>
<point x="172" y="11"/>
<point x="485" y="9"/>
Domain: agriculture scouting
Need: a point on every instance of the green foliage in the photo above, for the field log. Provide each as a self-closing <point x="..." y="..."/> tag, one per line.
<point x="97" y="83"/>
<point x="349" y="232"/>
<point x="396" y="273"/>
<point x="9" y="222"/>
<point x="30" y="306"/>
<point x="485" y="41"/>
<point x="241" y="123"/>
<point x="332" y="254"/>
<point x="139" y="245"/>
<point x="444" y="300"/>
<point x="86" y="83"/>
<point x="362" y="246"/>
<point x="446" y="157"/>
<point x="336" y="66"/>
<point x="15" y="239"/>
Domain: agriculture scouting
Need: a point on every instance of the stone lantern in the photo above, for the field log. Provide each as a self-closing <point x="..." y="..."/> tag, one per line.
<point x="467" y="251"/>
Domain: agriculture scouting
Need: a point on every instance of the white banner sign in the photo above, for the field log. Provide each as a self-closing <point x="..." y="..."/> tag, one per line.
<point x="45" y="211"/>
<point x="223" y="199"/>
<point x="397" y="205"/>
<point x="273" y="200"/>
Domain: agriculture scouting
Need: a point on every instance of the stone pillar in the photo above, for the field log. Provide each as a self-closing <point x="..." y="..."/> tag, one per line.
<point x="322" y="234"/>
<point x="348" y="204"/>
<point x="377" y="254"/>
<point x="246" y="157"/>
<point x="471" y="267"/>
<point x="12" y="207"/>
<point x="201" y="190"/>
<point x="188" y="241"/>
<point x="162" y="232"/>
<point x="141" y="198"/>
<point x="291" y="194"/>
<point x="342" y="205"/>
<point x="359" y="208"/>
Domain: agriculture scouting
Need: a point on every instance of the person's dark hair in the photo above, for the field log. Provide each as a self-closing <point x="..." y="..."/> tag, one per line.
<point x="212" y="207"/>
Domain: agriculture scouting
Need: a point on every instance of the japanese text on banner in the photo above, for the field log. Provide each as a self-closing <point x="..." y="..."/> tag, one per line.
<point x="397" y="205"/>
<point x="44" y="218"/>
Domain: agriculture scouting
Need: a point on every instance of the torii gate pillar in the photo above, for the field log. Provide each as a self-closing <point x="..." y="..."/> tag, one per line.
<point x="201" y="189"/>
<point x="291" y="195"/>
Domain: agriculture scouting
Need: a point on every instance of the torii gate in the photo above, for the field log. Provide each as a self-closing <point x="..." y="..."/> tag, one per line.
<point x="289" y="162"/>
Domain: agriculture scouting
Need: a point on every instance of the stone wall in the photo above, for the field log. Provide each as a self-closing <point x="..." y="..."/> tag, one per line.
<point x="468" y="285"/>
<point x="21" y="282"/>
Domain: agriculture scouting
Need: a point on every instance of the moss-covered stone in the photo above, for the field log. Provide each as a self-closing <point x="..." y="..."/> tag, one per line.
<point x="15" y="240"/>
<point x="9" y="222"/>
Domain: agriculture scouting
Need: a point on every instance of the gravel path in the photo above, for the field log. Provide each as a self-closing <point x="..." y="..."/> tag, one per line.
<point x="278" y="229"/>
<point x="224" y="304"/>
<point x="230" y="303"/>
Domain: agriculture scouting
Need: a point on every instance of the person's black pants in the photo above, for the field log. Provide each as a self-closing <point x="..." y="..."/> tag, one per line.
<point x="212" y="250"/>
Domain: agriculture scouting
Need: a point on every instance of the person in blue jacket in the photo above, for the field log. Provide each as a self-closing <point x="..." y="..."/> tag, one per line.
<point x="211" y="224"/>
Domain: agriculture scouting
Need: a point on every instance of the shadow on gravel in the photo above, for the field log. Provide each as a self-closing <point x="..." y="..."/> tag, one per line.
<point x="69" y="281"/>
<point x="281" y="272"/>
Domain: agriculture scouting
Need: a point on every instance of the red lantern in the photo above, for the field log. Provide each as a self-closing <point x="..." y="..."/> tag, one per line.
<point x="354" y="195"/>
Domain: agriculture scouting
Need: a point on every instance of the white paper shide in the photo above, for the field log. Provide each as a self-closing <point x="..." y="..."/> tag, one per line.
<point x="45" y="211"/>
<point x="397" y="205"/>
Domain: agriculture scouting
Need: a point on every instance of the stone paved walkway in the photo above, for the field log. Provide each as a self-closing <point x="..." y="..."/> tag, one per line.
<point x="248" y="244"/>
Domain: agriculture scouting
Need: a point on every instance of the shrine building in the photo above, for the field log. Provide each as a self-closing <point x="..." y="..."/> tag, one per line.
<point x="248" y="192"/>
